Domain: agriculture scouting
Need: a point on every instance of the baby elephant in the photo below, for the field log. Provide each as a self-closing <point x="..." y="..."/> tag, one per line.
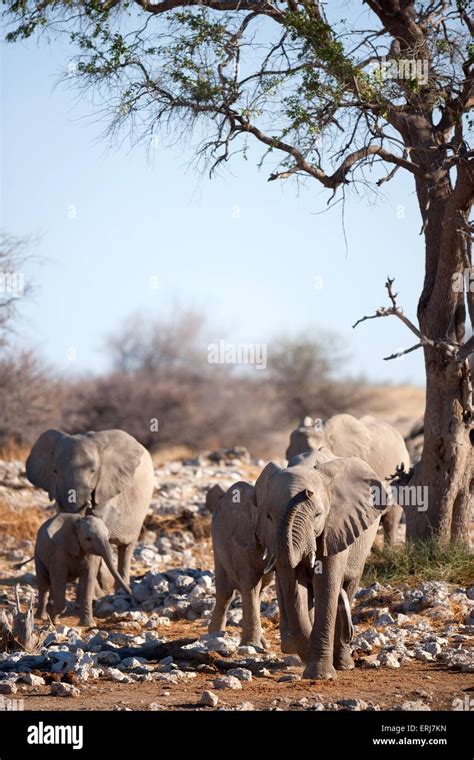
<point x="238" y="560"/>
<point x="62" y="545"/>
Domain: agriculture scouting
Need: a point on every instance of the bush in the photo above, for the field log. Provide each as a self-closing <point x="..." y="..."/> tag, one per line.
<point x="424" y="561"/>
<point x="30" y="400"/>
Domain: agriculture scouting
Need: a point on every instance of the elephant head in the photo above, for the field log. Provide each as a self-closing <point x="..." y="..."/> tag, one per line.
<point x="343" y="434"/>
<point x="89" y="535"/>
<point x="85" y="470"/>
<point x="315" y="508"/>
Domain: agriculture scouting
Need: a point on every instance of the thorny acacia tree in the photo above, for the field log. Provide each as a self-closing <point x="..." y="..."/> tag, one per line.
<point x="296" y="78"/>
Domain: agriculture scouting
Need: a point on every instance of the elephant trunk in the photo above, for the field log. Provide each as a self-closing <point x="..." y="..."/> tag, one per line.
<point x="107" y="556"/>
<point x="297" y="537"/>
<point x="73" y="497"/>
<point x="295" y="622"/>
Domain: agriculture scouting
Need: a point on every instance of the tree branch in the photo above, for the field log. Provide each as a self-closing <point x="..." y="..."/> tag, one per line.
<point x="450" y="349"/>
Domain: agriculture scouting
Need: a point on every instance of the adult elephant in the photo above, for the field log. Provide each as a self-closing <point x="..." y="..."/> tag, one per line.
<point x="318" y="518"/>
<point x="374" y="441"/>
<point x="107" y="474"/>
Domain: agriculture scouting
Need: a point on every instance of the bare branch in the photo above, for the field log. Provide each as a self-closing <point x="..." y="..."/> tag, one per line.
<point x="403" y="353"/>
<point x="451" y="349"/>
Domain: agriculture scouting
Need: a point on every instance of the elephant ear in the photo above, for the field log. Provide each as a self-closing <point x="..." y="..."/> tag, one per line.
<point x="39" y="465"/>
<point x="261" y="486"/>
<point x="120" y="455"/>
<point x="347" y="436"/>
<point x="62" y="530"/>
<point x="213" y="496"/>
<point x="237" y="512"/>
<point x="357" y="499"/>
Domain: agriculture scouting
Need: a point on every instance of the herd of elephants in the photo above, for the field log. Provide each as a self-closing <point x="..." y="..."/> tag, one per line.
<point x="311" y="522"/>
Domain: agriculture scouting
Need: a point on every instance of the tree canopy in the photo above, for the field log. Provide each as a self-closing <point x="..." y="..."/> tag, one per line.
<point x="324" y="95"/>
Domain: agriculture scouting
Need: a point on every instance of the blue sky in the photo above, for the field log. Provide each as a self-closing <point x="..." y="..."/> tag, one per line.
<point x="250" y="253"/>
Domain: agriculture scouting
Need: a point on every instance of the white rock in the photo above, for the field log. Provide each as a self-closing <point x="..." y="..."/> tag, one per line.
<point x="246" y="650"/>
<point x="206" y="582"/>
<point x="388" y="660"/>
<point x="209" y="699"/>
<point x="243" y="674"/>
<point x="432" y="647"/>
<point x="352" y="704"/>
<point x="133" y="662"/>
<point x="108" y="658"/>
<point x="32" y="680"/>
<point x="113" y="674"/>
<point x="422" y="655"/>
<point x="415" y="705"/>
<point x="64" y="690"/>
<point x="402" y="619"/>
<point x="227" y="682"/>
<point x="63" y="660"/>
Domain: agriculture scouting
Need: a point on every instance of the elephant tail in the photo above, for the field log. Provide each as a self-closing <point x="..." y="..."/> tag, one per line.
<point x="18" y="565"/>
<point x="345" y="608"/>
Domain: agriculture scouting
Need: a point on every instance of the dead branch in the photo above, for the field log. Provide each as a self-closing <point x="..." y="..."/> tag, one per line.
<point x="451" y="349"/>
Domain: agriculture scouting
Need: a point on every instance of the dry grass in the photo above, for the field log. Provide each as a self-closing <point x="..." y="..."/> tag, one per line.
<point x="414" y="563"/>
<point x="21" y="524"/>
<point x="171" y="454"/>
<point x="400" y="405"/>
<point x="14" y="452"/>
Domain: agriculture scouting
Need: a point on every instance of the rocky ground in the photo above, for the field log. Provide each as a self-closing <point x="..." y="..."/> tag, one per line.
<point x="412" y="644"/>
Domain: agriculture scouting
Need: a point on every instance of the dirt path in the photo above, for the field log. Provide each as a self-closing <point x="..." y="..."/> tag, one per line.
<point x="429" y="682"/>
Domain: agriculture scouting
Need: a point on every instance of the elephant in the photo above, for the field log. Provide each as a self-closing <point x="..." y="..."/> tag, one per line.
<point x="239" y="560"/>
<point x="374" y="441"/>
<point x="62" y="546"/>
<point x="318" y="517"/>
<point x="107" y="474"/>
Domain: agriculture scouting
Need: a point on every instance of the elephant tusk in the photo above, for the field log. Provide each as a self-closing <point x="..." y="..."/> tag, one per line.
<point x="265" y="555"/>
<point x="312" y="560"/>
<point x="270" y="564"/>
<point x="347" y="617"/>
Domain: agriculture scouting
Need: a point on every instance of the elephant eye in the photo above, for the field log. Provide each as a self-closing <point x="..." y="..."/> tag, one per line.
<point x="270" y="518"/>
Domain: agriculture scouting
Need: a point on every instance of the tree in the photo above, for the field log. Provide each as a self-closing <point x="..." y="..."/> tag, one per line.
<point x="14" y="256"/>
<point x="304" y="370"/>
<point x="298" y="80"/>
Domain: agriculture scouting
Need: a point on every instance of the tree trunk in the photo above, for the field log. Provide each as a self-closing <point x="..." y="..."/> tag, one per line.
<point x="446" y="466"/>
<point x="445" y="469"/>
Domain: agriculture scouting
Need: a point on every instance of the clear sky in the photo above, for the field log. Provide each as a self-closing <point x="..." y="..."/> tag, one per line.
<point x="256" y="256"/>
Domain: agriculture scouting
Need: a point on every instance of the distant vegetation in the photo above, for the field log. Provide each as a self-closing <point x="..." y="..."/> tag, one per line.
<point x="162" y="389"/>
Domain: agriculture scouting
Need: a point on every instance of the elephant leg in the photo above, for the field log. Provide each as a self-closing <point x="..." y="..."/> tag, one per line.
<point x="327" y="586"/>
<point x="58" y="577"/>
<point x="224" y="593"/>
<point x="81" y="590"/>
<point x="42" y="602"/>
<point x="87" y="581"/>
<point x="42" y="579"/>
<point x="343" y="633"/>
<point x="390" y="522"/>
<point x="295" y="621"/>
<point x="125" y="552"/>
<point x="287" y="644"/>
<point x="105" y="581"/>
<point x="251" y="622"/>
